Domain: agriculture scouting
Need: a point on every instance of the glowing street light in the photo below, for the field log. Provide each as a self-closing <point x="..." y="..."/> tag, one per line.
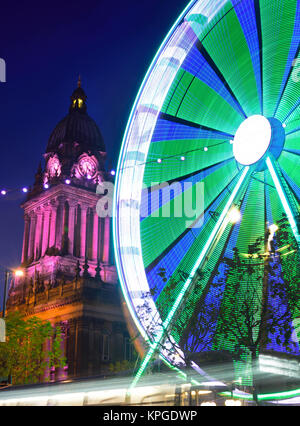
<point x="272" y="231"/>
<point x="19" y="273"/>
<point x="232" y="403"/>
<point x="208" y="404"/>
<point x="234" y="215"/>
<point x="273" y="228"/>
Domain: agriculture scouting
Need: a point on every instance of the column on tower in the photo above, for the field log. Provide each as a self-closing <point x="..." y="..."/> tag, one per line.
<point x="45" y="237"/>
<point x="89" y="233"/>
<point x="52" y="231"/>
<point x="31" y="236"/>
<point x="106" y="241"/>
<point x="60" y="222"/>
<point x="38" y="234"/>
<point x="65" y="228"/>
<point x="83" y="231"/>
<point x="77" y="231"/>
<point x="71" y="226"/>
<point x="95" y="236"/>
<point x="101" y="238"/>
<point x="25" y="238"/>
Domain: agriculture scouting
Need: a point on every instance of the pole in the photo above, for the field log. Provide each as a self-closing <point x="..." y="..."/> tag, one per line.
<point x="9" y="380"/>
<point x="5" y="293"/>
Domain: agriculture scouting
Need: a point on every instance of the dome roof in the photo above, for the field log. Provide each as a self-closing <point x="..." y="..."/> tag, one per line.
<point x="77" y="126"/>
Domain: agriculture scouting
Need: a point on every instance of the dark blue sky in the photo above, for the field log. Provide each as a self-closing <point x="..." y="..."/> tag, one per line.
<point x="45" y="46"/>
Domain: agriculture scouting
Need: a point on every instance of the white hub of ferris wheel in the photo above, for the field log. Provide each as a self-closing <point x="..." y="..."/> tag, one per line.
<point x="252" y="140"/>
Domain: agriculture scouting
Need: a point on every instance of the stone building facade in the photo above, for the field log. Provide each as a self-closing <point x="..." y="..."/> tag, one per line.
<point x="69" y="276"/>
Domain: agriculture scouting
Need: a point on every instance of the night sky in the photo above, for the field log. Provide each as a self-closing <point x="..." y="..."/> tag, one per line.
<point x="46" y="45"/>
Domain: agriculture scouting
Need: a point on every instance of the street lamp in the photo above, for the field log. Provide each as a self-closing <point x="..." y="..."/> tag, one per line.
<point x="234" y="215"/>
<point x="233" y="403"/>
<point x="272" y="231"/>
<point x="17" y="273"/>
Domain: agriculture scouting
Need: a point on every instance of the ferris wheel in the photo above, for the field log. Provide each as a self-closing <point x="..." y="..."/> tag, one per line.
<point x="219" y="107"/>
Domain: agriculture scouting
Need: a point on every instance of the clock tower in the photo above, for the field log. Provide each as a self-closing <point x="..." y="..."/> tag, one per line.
<point x="69" y="276"/>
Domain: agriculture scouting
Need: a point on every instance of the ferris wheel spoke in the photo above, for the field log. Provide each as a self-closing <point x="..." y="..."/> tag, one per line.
<point x="292" y="185"/>
<point x="161" y="196"/>
<point x="286" y="198"/>
<point x="192" y="177"/>
<point x="193" y="94"/>
<point x="202" y="257"/>
<point x="292" y="151"/>
<point x="178" y="252"/>
<point x="297" y="104"/>
<point x="288" y="77"/>
<point x="216" y="266"/>
<point x="222" y="247"/>
<point x="206" y="132"/>
<point x="170" y="243"/>
<point x="208" y="246"/>
<point x="185" y="159"/>
<point x="278" y="57"/>
<point x="209" y="61"/>
<point x="190" y="108"/>
<point x="237" y="58"/>
<point x="293" y="131"/>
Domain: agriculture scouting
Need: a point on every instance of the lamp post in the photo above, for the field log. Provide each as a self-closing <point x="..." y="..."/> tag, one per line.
<point x="17" y="273"/>
<point x="2" y="320"/>
<point x="5" y="292"/>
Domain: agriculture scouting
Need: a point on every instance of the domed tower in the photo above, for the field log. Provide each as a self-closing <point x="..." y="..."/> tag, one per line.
<point x="62" y="227"/>
<point x="76" y="150"/>
<point x="69" y="277"/>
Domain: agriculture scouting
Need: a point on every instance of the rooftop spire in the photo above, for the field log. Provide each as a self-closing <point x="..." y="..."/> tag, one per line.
<point x="77" y="126"/>
<point x="78" y="98"/>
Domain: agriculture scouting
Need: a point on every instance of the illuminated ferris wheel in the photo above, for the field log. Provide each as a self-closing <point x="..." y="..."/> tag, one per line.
<point x="219" y="106"/>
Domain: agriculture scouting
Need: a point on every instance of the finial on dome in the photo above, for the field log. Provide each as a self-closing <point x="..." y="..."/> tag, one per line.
<point x="78" y="98"/>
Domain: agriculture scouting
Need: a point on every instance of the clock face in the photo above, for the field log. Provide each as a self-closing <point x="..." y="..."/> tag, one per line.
<point x="54" y="166"/>
<point x="87" y="167"/>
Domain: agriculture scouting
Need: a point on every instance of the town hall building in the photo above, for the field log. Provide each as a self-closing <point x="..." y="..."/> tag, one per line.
<point x="67" y="257"/>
